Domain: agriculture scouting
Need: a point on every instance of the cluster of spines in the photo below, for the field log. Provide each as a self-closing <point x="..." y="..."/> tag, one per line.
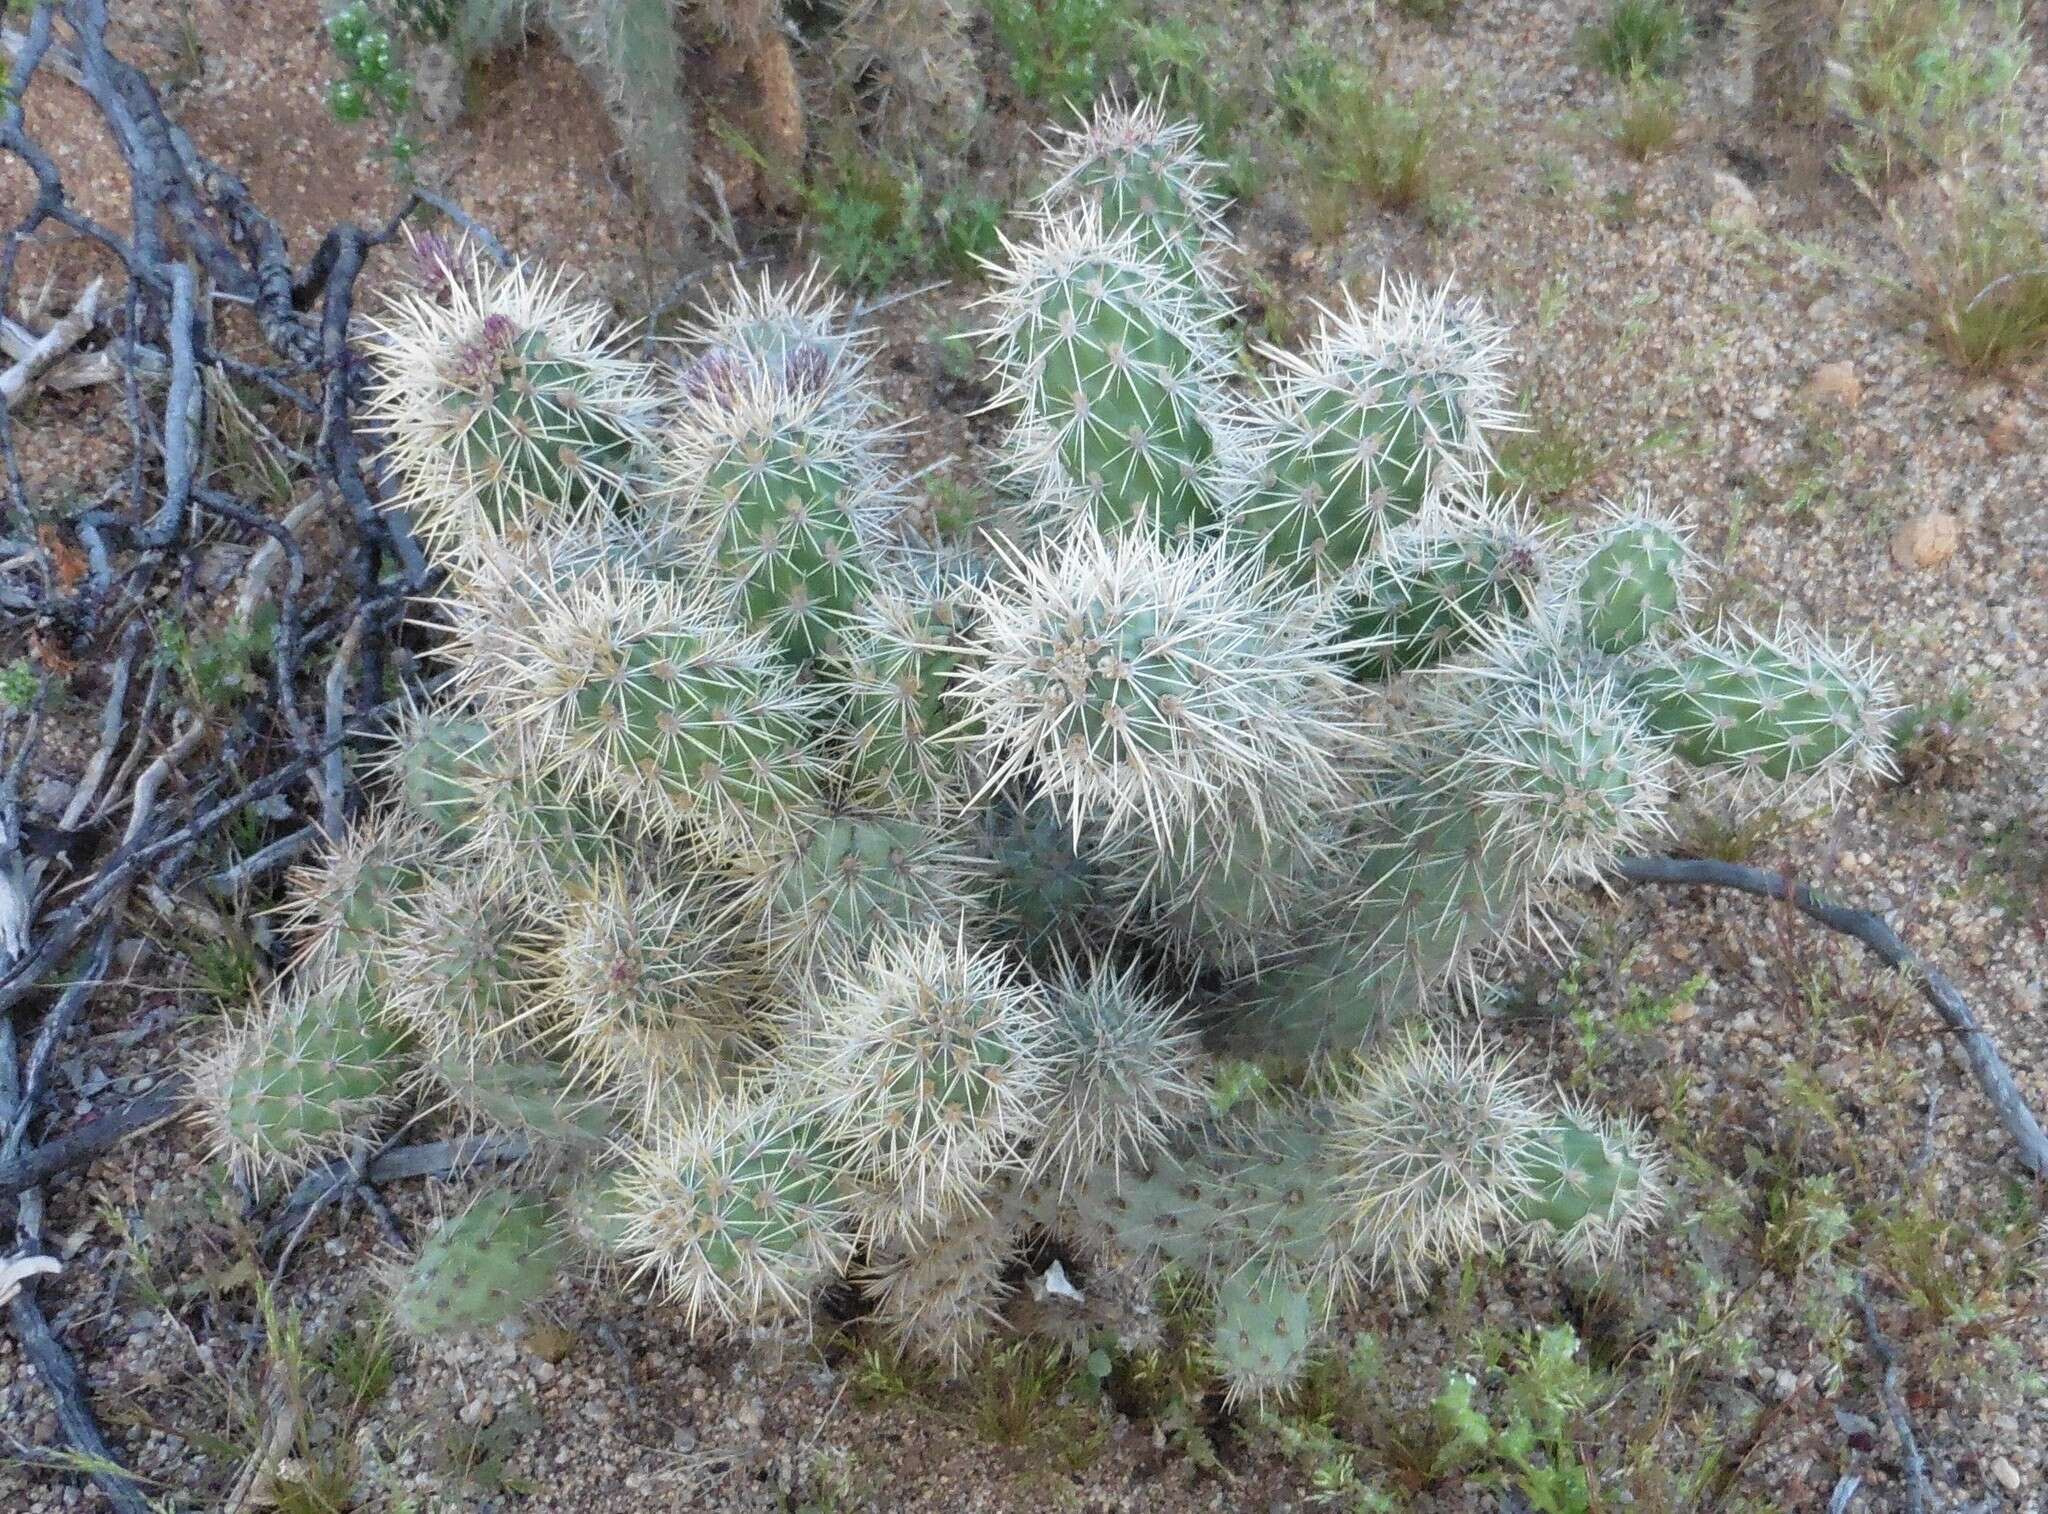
<point x="508" y="407"/>
<point x="804" y="911"/>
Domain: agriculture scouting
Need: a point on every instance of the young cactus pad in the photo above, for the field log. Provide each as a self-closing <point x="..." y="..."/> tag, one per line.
<point x="643" y="690"/>
<point x="1634" y="580"/>
<point x="1387" y="411"/>
<point x="1591" y="1184"/>
<point x="1142" y="172"/>
<point x="486" y="1265"/>
<point x="1782" y="708"/>
<point x="302" y="1078"/>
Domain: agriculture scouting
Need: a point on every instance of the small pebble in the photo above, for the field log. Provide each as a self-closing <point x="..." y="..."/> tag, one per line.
<point x="1927" y="541"/>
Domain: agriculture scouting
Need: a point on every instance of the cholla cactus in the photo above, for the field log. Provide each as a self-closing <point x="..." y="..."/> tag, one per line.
<point x="912" y="63"/>
<point x="736" y="1211"/>
<point x="812" y="916"/>
<point x="1141" y="172"/>
<point x="779" y="486"/>
<point x="309" y="1073"/>
<point x="508" y="404"/>
<point x="482" y="1267"/>
<point x="643" y="690"/>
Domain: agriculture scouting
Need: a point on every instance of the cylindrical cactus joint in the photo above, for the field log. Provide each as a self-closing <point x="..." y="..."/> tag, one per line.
<point x="1635" y="578"/>
<point x="1109" y="357"/>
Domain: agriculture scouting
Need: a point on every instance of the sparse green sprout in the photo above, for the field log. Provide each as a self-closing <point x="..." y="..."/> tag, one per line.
<point x="1647" y="114"/>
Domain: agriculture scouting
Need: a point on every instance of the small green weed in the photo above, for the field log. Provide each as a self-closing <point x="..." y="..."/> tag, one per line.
<point x="1639" y="37"/>
<point x="18" y="684"/>
<point x="479" y="1455"/>
<point x="870" y="221"/>
<point x="1921" y="82"/>
<point x="374" y="83"/>
<point x="218" y="669"/>
<point x="1175" y="62"/>
<point x="1059" y="51"/>
<point x="1024" y="1394"/>
<point x="1932" y="740"/>
<point x="1645" y="120"/>
<point x="1527" y="1437"/>
<point x="1355" y="135"/>
<point x="361" y="1361"/>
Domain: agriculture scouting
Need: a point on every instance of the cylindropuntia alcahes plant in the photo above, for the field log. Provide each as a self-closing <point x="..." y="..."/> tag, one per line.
<point x="818" y="905"/>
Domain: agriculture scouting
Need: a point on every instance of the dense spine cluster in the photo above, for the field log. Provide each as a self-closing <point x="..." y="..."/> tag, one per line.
<point x="819" y="906"/>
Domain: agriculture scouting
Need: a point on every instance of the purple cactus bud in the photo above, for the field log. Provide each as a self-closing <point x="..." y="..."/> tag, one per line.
<point x="807" y="371"/>
<point x="714" y="378"/>
<point x="433" y="266"/>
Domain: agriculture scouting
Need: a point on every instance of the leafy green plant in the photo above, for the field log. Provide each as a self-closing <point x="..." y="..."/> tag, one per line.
<point x="1525" y="1434"/>
<point x="217" y="668"/>
<point x="1639" y="37"/>
<point x="374" y="82"/>
<point x="18" y="684"/>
